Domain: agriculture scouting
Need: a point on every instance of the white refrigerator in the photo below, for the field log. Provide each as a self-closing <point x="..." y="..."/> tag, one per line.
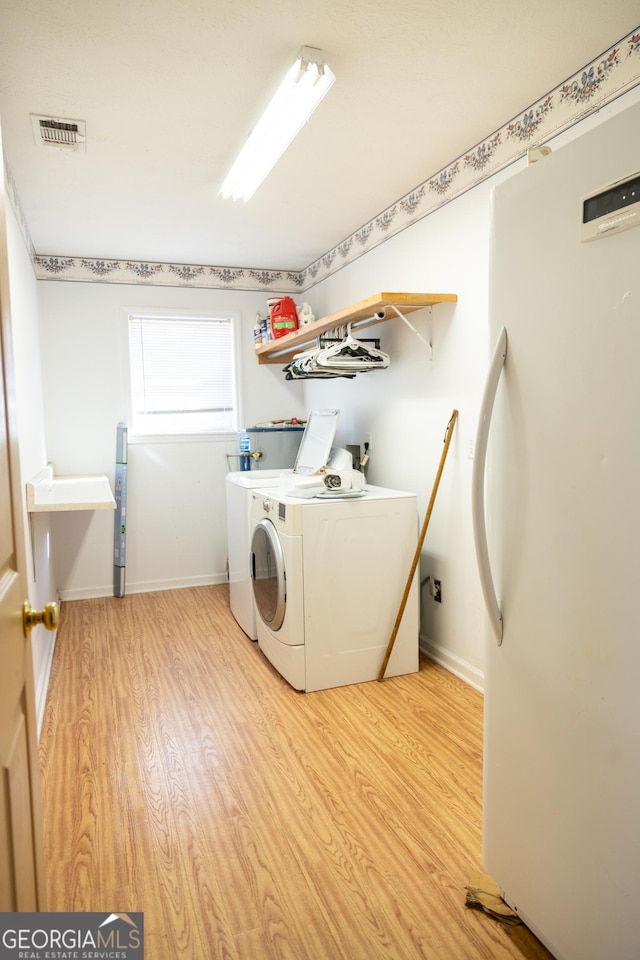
<point x="556" y="498"/>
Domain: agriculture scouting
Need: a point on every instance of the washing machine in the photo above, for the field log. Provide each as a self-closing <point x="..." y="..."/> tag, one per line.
<point x="328" y="577"/>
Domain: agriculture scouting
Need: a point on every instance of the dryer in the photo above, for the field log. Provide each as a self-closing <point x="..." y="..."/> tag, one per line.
<point x="239" y="485"/>
<point x="304" y="454"/>
<point x="328" y="576"/>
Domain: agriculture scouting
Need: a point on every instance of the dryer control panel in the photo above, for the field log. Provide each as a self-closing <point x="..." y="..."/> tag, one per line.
<point x="285" y="516"/>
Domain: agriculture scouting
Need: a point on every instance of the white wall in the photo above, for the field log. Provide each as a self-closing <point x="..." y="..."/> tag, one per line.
<point x="176" y="529"/>
<point x="406" y="408"/>
<point x="32" y="452"/>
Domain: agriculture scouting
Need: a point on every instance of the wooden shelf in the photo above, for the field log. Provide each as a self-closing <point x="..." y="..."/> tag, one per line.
<point x="375" y="309"/>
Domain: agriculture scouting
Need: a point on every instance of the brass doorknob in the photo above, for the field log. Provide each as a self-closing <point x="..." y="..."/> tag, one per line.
<point x="49" y="617"/>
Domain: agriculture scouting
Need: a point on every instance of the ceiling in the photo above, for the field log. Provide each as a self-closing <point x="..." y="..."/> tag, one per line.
<point x="169" y="91"/>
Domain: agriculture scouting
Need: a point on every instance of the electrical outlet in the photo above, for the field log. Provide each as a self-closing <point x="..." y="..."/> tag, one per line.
<point x="437" y="591"/>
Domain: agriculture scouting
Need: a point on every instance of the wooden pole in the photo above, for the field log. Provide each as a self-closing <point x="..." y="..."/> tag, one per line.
<point x="423" y="533"/>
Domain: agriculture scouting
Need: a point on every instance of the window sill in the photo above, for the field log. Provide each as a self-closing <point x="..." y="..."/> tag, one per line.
<point x="182" y="438"/>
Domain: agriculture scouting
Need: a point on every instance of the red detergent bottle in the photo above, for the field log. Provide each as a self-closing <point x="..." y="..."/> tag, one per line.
<point x="284" y="317"/>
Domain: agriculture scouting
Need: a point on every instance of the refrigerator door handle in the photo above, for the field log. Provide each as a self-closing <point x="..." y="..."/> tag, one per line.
<point x="477" y="490"/>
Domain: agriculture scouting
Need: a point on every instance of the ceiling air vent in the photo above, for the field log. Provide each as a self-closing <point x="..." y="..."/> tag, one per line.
<point x="58" y="132"/>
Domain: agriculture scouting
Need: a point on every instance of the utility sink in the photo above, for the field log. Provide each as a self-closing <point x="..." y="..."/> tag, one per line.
<point x="47" y="492"/>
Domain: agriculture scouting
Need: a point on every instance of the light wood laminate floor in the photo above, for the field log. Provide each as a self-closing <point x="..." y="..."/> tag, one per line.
<point x="182" y="777"/>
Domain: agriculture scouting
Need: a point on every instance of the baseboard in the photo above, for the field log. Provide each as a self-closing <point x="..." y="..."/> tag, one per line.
<point x="454" y="664"/>
<point x="85" y="593"/>
<point x="90" y="593"/>
<point x="43" y="683"/>
<point x="153" y="585"/>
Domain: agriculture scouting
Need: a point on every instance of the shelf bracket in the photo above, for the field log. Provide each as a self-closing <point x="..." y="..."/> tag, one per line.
<point x="413" y="329"/>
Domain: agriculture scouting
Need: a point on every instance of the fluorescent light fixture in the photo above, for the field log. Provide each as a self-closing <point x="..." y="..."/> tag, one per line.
<point x="293" y="103"/>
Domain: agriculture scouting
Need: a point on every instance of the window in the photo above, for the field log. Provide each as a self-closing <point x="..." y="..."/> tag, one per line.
<point x="182" y="372"/>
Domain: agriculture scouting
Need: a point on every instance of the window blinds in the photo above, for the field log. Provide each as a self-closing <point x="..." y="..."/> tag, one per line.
<point x="182" y="375"/>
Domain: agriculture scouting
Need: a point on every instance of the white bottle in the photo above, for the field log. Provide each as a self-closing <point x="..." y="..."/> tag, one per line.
<point x="257" y="331"/>
<point x="305" y="314"/>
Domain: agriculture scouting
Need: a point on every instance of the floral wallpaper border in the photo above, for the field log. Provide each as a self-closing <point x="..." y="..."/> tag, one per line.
<point x="610" y="75"/>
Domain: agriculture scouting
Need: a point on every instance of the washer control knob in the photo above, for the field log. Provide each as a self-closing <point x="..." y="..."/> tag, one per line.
<point x="266" y="505"/>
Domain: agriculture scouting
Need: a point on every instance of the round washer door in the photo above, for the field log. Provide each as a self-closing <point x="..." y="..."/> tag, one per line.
<point x="267" y="574"/>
